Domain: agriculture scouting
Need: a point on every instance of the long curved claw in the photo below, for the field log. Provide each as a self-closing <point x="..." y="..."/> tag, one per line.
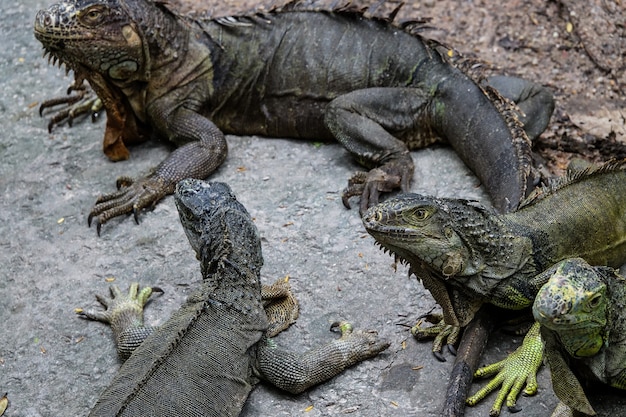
<point x="444" y="334"/>
<point x="518" y="369"/>
<point x="356" y="185"/>
<point x="386" y="178"/>
<point x="131" y="197"/>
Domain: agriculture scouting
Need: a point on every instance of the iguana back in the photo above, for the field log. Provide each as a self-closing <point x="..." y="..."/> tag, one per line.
<point x="583" y="215"/>
<point x="199" y="363"/>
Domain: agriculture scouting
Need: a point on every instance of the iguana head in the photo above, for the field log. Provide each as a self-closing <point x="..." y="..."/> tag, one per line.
<point x="573" y="304"/>
<point x="98" y="35"/>
<point x="218" y="226"/>
<point x="442" y="233"/>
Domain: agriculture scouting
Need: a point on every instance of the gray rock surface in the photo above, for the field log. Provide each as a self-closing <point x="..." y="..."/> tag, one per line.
<point x="54" y="364"/>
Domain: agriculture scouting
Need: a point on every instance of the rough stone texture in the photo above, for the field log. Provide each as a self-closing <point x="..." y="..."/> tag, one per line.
<point x="54" y="364"/>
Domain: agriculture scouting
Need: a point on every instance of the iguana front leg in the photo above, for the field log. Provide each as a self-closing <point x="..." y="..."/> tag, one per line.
<point x="458" y="311"/>
<point x="295" y="373"/>
<point x="124" y="313"/>
<point x="375" y="125"/>
<point x="518" y="369"/>
<point x="202" y="149"/>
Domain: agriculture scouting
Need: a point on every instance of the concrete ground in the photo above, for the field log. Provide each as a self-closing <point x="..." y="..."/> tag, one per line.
<point x="54" y="364"/>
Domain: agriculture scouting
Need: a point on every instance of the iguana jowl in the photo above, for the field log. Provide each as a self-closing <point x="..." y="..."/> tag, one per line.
<point x="377" y="88"/>
<point x="207" y="357"/>
<point x="467" y="255"/>
<point x="582" y="313"/>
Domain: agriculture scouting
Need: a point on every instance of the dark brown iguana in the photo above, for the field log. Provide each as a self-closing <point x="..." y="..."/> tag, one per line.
<point x="582" y="312"/>
<point x="207" y="357"/>
<point x="467" y="255"/>
<point x="378" y="88"/>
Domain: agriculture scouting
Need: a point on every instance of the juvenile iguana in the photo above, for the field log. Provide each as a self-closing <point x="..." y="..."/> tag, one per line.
<point x="582" y="313"/>
<point x="467" y="255"/>
<point x="208" y="356"/>
<point x="378" y="88"/>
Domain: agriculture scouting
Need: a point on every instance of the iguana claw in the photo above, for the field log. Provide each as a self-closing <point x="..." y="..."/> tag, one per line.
<point x="81" y="103"/>
<point x="124" y="313"/>
<point x="442" y="333"/>
<point x="384" y="179"/>
<point x="519" y="368"/>
<point x="119" y="303"/>
<point x="362" y="344"/>
<point x="132" y="196"/>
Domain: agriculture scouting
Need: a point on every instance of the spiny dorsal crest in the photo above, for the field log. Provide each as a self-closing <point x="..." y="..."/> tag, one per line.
<point x="573" y="178"/>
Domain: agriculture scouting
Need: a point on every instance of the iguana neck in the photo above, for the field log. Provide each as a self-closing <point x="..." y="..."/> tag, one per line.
<point x="617" y="311"/>
<point x="221" y="232"/>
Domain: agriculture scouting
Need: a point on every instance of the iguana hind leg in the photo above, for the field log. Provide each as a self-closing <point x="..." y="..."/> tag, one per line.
<point x="377" y="125"/>
<point x="534" y="100"/>
<point x="297" y="372"/>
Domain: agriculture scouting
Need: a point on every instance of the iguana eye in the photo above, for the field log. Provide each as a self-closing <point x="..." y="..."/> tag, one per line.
<point x="93" y="16"/>
<point x="421" y="214"/>
<point x="595" y="301"/>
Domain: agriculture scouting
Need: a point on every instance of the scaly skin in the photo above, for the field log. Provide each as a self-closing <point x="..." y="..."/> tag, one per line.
<point x="467" y="255"/>
<point x="581" y="310"/>
<point x="208" y="356"/>
<point x="191" y="81"/>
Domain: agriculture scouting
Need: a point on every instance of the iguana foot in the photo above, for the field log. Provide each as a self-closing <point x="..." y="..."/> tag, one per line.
<point x="442" y="333"/>
<point x="386" y="178"/>
<point x="124" y="313"/>
<point x="280" y="305"/>
<point x="518" y="369"/>
<point x="119" y="304"/>
<point x="132" y="196"/>
<point x="358" y="345"/>
<point x="82" y="102"/>
<point x="297" y="372"/>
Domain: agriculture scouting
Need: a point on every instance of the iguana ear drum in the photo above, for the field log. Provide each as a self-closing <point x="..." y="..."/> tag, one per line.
<point x="453" y="265"/>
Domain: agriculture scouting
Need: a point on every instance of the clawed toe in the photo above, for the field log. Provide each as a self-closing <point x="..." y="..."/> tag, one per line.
<point x="80" y="103"/>
<point x="369" y="185"/>
<point x="132" y="196"/>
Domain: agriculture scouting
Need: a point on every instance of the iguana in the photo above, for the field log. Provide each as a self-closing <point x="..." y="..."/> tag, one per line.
<point x="467" y="255"/>
<point x="378" y="88"/>
<point x="582" y="313"/>
<point x="208" y="356"/>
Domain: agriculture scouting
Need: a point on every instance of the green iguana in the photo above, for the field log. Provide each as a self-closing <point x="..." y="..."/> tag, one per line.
<point x="207" y="357"/>
<point x="467" y="255"/>
<point x="582" y="313"/>
<point x="378" y="88"/>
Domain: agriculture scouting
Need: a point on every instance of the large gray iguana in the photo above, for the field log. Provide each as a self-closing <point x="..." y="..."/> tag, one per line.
<point x="582" y="312"/>
<point x="467" y="255"/>
<point x="378" y="88"/>
<point x="207" y="357"/>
